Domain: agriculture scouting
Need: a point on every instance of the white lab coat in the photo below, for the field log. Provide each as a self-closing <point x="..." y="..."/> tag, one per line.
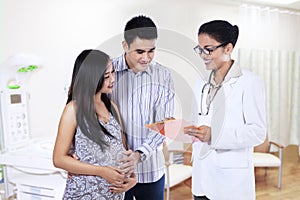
<point x="223" y="169"/>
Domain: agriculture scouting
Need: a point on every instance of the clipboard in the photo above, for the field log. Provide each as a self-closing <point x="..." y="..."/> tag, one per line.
<point x="173" y="129"/>
<point x="158" y="126"/>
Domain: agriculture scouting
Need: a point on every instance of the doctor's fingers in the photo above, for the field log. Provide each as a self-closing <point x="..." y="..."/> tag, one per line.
<point x="193" y="131"/>
<point x="204" y="130"/>
<point x="203" y="136"/>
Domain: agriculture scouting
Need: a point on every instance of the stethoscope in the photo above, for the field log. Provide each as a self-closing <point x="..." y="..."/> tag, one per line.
<point x="210" y="85"/>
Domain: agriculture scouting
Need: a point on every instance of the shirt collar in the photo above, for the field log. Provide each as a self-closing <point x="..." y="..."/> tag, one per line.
<point x="234" y="72"/>
<point x="123" y="66"/>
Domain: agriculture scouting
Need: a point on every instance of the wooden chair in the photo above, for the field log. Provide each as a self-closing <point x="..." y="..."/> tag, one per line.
<point x="262" y="157"/>
<point x="176" y="173"/>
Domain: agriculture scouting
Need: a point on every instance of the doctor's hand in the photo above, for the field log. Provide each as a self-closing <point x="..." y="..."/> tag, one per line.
<point x="203" y="133"/>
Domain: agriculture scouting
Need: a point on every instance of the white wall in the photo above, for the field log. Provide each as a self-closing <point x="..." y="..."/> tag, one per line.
<point x="58" y="30"/>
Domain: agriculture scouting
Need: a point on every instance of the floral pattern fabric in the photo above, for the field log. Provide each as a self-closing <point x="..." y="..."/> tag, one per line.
<point x="85" y="187"/>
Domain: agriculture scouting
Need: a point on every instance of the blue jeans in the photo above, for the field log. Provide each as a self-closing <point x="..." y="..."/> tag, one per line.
<point x="147" y="191"/>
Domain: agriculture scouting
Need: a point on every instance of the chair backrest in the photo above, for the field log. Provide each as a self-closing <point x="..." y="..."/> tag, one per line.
<point x="264" y="147"/>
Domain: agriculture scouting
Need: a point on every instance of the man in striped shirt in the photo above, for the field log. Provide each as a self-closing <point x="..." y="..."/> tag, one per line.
<point x="144" y="93"/>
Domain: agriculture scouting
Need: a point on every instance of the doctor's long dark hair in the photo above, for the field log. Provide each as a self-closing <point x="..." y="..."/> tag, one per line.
<point x="87" y="80"/>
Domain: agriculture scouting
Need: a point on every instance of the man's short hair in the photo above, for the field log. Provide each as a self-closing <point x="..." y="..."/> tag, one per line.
<point x="140" y="26"/>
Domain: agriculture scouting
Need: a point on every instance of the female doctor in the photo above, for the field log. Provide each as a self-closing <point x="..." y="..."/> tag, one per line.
<point x="230" y="122"/>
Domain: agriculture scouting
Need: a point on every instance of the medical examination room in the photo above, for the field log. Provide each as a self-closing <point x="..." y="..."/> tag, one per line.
<point x="190" y="152"/>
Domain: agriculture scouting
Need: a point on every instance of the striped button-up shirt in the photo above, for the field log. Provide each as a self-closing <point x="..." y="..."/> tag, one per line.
<point x="143" y="98"/>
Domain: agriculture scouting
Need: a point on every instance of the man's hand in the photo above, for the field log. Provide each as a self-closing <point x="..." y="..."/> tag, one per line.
<point x="130" y="161"/>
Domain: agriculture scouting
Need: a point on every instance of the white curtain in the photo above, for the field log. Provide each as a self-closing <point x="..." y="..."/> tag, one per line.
<point x="270" y="47"/>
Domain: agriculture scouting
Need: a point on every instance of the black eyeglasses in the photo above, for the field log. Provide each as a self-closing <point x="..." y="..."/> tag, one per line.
<point x="207" y="50"/>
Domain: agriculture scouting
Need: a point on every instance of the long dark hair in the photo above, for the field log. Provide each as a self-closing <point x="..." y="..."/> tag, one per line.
<point x="77" y="65"/>
<point x="87" y="80"/>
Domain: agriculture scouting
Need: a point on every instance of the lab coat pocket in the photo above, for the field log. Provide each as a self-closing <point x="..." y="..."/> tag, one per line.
<point x="233" y="158"/>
